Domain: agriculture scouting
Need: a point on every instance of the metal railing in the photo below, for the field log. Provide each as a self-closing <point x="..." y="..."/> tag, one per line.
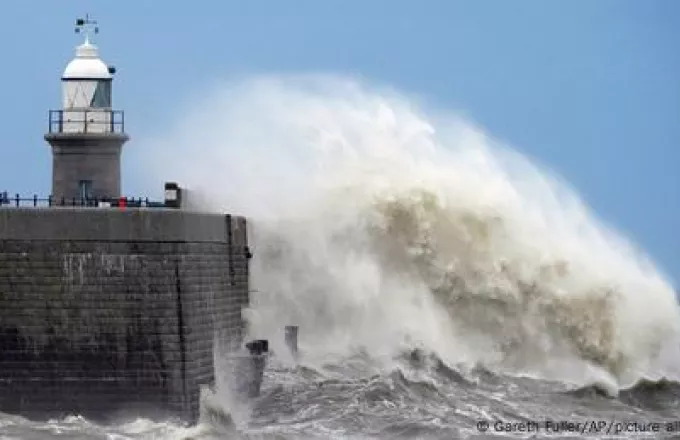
<point x="86" y="121"/>
<point x="120" y="202"/>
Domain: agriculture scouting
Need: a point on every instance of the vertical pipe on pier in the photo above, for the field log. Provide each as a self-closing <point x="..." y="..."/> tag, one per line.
<point x="291" y="338"/>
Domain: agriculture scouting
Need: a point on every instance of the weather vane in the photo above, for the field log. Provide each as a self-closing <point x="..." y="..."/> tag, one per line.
<point x="87" y="25"/>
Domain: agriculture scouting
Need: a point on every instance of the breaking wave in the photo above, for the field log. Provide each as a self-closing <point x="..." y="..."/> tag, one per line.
<point x="653" y="395"/>
<point x="379" y="227"/>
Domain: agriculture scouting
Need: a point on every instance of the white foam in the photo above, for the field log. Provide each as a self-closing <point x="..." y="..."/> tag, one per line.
<point x="327" y="168"/>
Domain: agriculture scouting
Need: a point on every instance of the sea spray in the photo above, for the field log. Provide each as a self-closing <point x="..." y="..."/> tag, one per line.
<point x="376" y="225"/>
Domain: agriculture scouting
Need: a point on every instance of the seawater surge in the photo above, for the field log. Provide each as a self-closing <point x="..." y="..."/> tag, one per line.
<point x="379" y="226"/>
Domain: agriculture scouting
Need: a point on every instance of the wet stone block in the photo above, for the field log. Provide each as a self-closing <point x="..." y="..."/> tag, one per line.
<point x="105" y="326"/>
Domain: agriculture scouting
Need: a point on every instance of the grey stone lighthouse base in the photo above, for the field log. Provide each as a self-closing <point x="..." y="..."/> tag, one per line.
<point x="92" y="157"/>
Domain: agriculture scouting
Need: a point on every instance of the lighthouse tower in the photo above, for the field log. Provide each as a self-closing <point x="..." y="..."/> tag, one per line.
<point x="86" y="134"/>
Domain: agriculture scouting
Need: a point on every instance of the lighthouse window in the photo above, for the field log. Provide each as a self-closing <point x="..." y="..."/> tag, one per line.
<point x="102" y="95"/>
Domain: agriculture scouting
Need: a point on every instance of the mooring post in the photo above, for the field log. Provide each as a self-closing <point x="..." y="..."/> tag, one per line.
<point x="258" y="349"/>
<point x="291" y="338"/>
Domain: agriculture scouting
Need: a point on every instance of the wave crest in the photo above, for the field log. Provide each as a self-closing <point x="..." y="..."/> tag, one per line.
<point x="376" y="225"/>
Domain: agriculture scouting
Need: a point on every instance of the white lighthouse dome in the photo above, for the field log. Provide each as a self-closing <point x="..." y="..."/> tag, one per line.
<point x="86" y="64"/>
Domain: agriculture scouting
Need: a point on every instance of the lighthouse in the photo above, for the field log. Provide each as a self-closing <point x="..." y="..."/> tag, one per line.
<point x="119" y="310"/>
<point x="86" y="135"/>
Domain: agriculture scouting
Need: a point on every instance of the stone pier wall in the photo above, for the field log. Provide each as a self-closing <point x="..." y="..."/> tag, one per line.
<point x="107" y="312"/>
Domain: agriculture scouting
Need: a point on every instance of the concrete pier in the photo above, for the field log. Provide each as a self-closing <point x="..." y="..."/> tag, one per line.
<point x="109" y="312"/>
